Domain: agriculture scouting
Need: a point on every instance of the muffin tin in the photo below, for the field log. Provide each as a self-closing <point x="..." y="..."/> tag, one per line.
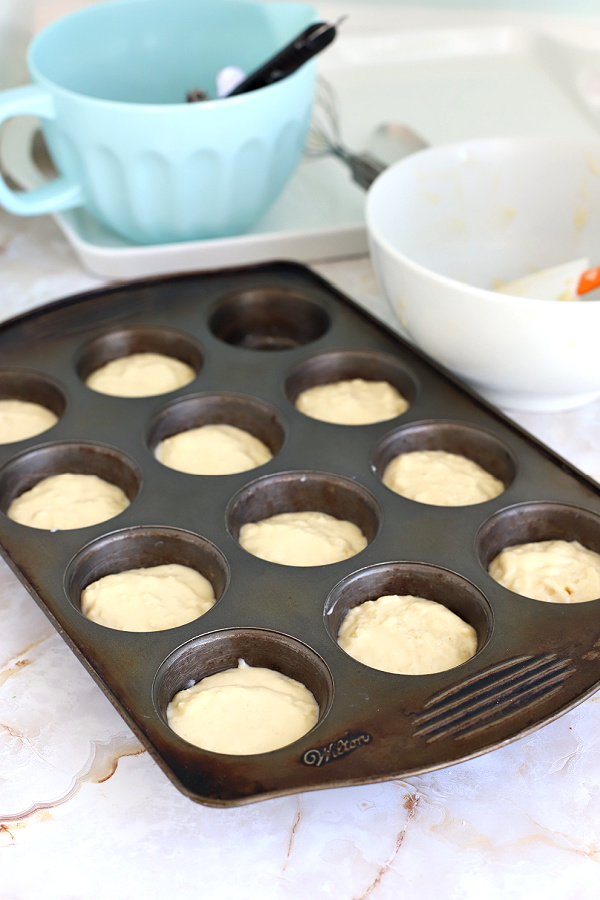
<point x="256" y="336"/>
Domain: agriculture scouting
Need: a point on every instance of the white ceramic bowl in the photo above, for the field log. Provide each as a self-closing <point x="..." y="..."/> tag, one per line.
<point x="449" y="224"/>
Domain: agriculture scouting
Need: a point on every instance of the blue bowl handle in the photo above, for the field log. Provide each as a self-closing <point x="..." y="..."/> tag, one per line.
<point x="61" y="192"/>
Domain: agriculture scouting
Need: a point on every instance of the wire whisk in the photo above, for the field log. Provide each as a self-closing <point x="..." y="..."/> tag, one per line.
<point x="391" y="140"/>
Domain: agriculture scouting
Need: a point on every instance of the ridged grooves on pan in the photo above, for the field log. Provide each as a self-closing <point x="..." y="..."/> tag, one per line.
<point x="492" y="696"/>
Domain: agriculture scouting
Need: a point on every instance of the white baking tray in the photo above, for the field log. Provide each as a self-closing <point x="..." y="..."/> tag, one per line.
<point x="448" y="84"/>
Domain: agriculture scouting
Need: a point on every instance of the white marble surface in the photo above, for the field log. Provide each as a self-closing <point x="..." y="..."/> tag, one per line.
<point x="86" y="813"/>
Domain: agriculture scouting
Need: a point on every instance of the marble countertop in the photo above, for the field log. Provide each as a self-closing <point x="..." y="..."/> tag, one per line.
<point x="86" y="813"/>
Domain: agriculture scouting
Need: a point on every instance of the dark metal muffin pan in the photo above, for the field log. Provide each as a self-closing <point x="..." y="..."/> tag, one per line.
<point x="256" y="337"/>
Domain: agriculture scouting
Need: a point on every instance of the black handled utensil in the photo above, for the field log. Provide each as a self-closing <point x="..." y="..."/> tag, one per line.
<point x="285" y="62"/>
<point x="306" y="45"/>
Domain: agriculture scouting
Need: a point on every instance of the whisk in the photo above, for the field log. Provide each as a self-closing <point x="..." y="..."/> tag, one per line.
<point x="391" y="140"/>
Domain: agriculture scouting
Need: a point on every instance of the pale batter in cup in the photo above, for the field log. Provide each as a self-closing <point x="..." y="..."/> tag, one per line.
<point x="241" y="711"/>
<point x="440" y="478"/>
<point x="555" y="571"/>
<point x="214" y="449"/>
<point x="352" y="402"/>
<point x="66" y="501"/>
<point x="306" y="538"/>
<point x="21" y="419"/>
<point x="140" y="375"/>
<point x="406" y="635"/>
<point x="148" y="599"/>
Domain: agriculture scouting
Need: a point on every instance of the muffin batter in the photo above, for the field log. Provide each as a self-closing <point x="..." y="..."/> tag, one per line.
<point x="304" y="538"/>
<point x="68" y="501"/>
<point x="20" y="419"/>
<point x="245" y="710"/>
<point x="406" y="635"/>
<point x="148" y="599"/>
<point x="213" y="450"/>
<point x="352" y="402"/>
<point x="440" y="478"/>
<point x="554" y="571"/>
<point x="140" y="375"/>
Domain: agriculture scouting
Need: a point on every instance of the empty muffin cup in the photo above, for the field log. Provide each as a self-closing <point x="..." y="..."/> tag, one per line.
<point x="154" y="605"/>
<point x="408" y="618"/>
<point x="303" y="518"/>
<point x="139" y="362"/>
<point x="268" y="318"/>
<point x="229" y="728"/>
